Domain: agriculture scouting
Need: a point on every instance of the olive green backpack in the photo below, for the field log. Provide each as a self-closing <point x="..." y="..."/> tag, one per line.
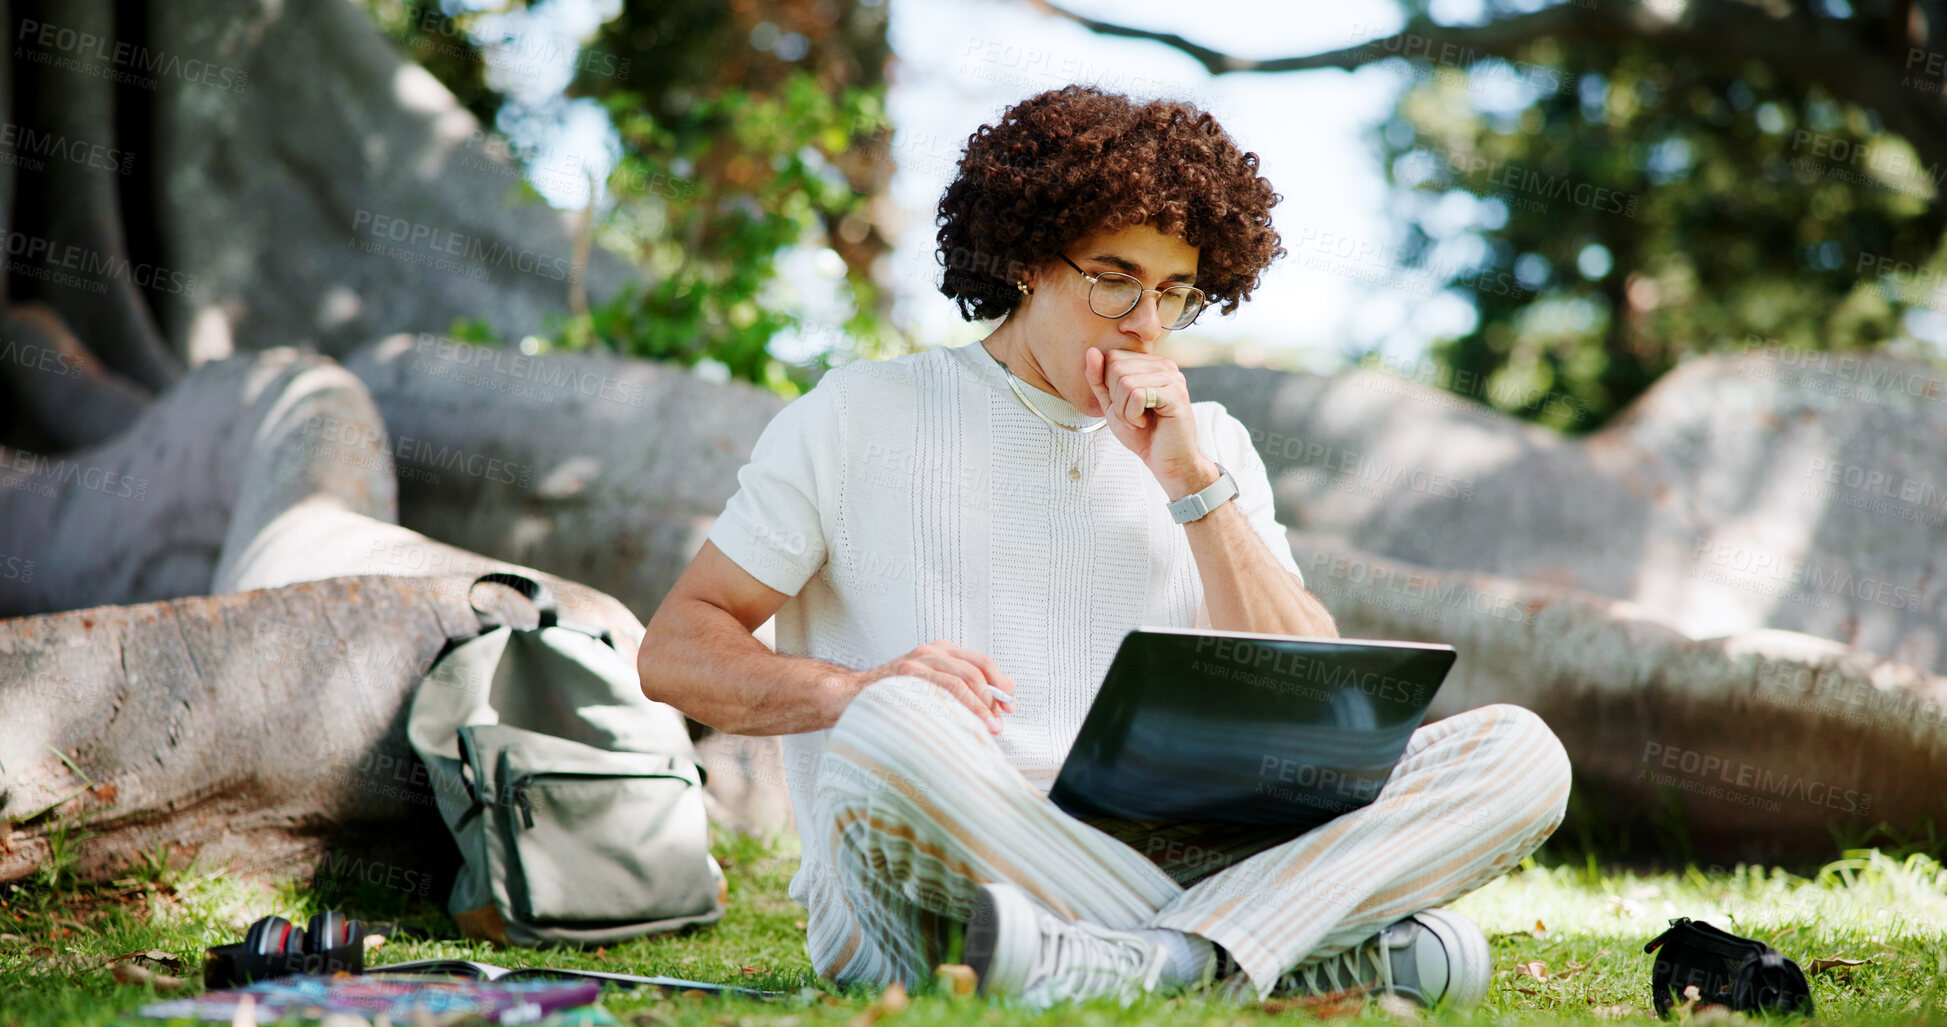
<point x="576" y="802"/>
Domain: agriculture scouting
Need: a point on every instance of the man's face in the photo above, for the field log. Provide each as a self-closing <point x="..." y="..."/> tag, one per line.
<point x="1061" y="326"/>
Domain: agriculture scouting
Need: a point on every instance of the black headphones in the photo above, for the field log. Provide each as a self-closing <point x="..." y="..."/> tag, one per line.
<point x="275" y="947"/>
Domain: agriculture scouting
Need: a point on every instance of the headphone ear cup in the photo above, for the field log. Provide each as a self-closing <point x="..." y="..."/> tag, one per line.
<point x="336" y="944"/>
<point x="270" y="936"/>
<point x="328" y="930"/>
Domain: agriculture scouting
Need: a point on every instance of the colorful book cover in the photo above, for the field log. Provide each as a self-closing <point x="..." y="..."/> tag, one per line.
<point x="310" y="998"/>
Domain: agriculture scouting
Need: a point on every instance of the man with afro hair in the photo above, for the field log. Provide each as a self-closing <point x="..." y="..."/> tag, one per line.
<point x="953" y="550"/>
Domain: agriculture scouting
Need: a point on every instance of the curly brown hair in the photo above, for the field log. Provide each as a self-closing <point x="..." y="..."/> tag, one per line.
<point x="1074" y="160"/>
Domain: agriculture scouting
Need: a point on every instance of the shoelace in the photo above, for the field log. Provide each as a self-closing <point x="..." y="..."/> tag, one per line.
<point x="1085" y="958"/>
<point x="1308" y="976"/>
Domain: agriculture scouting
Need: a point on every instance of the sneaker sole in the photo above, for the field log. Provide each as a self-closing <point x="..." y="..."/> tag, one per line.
<point x="1001" y="939"/>
<point x="1468" y="962"/>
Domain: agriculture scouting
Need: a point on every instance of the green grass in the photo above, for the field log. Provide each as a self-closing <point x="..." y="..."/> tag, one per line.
<point x="1587" y="926"/>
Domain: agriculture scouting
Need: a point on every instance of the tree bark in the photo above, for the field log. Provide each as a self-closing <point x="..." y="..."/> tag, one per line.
<point x="66" y="398"/>
<point x="77" y="208"/>
<point x="263" y="175"/>
<point x="337" y="144"/>
<point x="1741" y="492"/>
<point x="1763" y="746"/>
<point x="604" y="470"/>
<point x="252" y="728"/>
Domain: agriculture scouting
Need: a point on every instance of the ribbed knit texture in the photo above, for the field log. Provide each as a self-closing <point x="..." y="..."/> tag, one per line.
<point x="915" y="499"/>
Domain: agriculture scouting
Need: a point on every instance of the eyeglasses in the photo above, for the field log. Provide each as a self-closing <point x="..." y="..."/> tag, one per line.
<point x="1113" y="294"/>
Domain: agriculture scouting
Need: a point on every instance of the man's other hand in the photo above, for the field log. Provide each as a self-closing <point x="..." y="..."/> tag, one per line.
<point x="970" y="676"/>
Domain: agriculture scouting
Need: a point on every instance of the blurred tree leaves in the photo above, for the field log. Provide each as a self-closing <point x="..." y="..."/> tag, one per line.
<point x="711" y="196"/>
<point x="740" y="126"/>
<point x="1648" y="207"/>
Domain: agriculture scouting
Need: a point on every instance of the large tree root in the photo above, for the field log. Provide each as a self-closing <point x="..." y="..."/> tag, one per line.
<point x="606" y="471"/>
<point x="1767" y="745"/>
<point x="251" y="726"/>
<point x="249" y="729"/>
<point x="1770" y="489"/>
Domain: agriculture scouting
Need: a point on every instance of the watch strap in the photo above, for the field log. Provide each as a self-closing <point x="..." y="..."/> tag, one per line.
<point x="1198" y="504"/>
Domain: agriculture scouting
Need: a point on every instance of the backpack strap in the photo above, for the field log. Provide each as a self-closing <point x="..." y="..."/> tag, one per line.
<point x="544" y="605"/>
<point x="468" y="779"/>
<point x="535" y="592"/>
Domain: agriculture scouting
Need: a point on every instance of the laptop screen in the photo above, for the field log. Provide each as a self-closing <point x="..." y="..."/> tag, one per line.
<point x="1229" y="727"/>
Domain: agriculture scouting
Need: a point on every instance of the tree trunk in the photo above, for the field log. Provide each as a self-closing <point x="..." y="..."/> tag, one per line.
<point x="252" y="176"/>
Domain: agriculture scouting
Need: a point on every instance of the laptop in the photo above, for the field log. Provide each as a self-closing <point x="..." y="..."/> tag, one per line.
<point x="1241" y="728"/>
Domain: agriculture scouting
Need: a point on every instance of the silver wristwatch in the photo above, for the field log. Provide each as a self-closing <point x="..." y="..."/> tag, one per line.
<point x="1197" y="504"/>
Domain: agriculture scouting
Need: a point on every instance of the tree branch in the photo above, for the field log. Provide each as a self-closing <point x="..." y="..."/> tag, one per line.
<point x="1420" y="38"/>
<point x="1827" y="52"/>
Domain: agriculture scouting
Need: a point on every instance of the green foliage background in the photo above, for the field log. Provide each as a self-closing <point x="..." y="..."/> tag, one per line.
<point x="731" y="152"/>
<point x="1638" y="207"/>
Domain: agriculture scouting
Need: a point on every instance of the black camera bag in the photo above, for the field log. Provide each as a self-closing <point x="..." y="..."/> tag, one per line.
<point x="1738" y="973"/>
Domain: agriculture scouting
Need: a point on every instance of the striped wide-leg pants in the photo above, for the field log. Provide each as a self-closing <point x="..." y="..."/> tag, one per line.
<point x="919" y="807"/>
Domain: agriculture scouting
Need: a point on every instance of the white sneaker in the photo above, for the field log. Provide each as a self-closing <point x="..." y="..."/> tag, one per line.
<point x="1435" y="956"/>
<point x="1021" y="950"/>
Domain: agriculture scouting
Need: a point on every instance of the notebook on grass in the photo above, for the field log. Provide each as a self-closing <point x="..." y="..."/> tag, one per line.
<point x="1234" y="727"/>
<point x="307" y="998"/>
<point x="490" y="972"/>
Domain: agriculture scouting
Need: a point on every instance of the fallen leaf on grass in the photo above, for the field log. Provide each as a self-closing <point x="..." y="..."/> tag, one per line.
<point x="136" y="973"/>
<point x="1540" y="931"/>
<point x="1687" y="1010"/>
<point x="1533" y="968"/>
<point x="890" y="1002"/>
<point x="1571" y="970"/>
<point x="751" y="971"/>
<point x="958" y="980"/>
<point x="154" y="959"/>
<point x="1613" y="1012"/>
<point x="1625" y="907"/>
<point x="1325" y="1007"/>
<point x="1832" y="963"/>
<point x="1398" y="1008"/>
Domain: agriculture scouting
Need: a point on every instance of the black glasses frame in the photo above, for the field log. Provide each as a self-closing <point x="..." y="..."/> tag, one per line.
<point x="1202" y="301"/>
